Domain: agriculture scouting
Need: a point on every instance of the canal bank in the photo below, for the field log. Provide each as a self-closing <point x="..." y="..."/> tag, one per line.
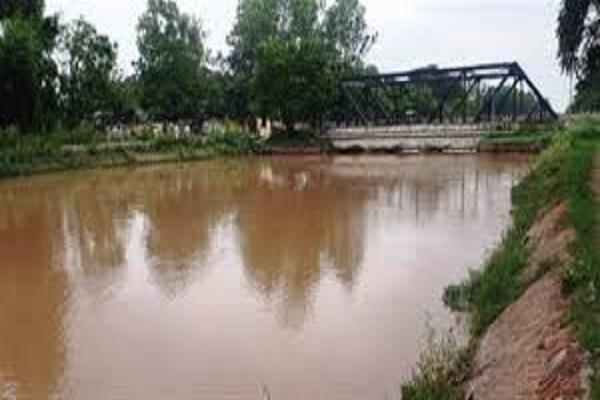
<point x="533" y="310"/>
<point x="23" y="155"/>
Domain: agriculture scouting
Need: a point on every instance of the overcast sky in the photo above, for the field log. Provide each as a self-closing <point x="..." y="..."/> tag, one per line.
<point x="412" y="33"/>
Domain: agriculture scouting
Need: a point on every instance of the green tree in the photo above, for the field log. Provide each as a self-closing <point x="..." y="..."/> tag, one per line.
<point x="126" y="101"/>
<point x="24" y="8"/>
<point x="346" y="32"/>
<point x="294" y="80"/>
<point x="88" y="84"/>
<point x="587" y="97"/>
<point x="20" y="50"/>
<point x="578" y="37"/>
<point x="578" y="30"/>
<point x="172" y="67"/>
<point x="28" y="72"/>
<point x="276" y="36"/>
<point x="257" y="21"/>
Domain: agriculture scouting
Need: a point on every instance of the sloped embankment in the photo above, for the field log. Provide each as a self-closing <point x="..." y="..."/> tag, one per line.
<point x="543" y="343"/>
<point x="534" y="308"/>
<point x="529" y="352"/>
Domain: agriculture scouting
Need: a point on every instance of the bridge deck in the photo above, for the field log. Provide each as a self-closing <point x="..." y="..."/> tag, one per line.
<point x="451" y="137"/>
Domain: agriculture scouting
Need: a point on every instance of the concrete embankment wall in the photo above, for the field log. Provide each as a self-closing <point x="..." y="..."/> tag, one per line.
<point x="444" y="137"/>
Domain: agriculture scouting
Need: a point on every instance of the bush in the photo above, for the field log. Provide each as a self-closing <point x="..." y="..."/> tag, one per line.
<point x="86" y="147"/>
<point x="230" y="143"/>
<point x="442" y="367"/>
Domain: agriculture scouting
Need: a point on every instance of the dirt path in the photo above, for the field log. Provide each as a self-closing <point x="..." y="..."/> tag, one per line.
<point x="528" y="353"/>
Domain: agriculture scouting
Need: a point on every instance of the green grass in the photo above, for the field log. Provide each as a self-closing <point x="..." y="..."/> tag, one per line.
<point x="29" y="154"/>
<point x="440" y="370"/>
<point x="296" y="140"/>
<point x="526" y="138"/>
<point x="560" y="174"/>
<point x="490" y="290"/>
<point x="582" y="280"/>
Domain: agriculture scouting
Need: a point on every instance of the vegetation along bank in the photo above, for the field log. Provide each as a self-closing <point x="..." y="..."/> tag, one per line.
<point x="533" y="310"/>
<point x="29" y="154"/>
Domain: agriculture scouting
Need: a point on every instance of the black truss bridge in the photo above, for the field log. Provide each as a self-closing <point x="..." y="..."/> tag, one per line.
<point x="500" y="92"/>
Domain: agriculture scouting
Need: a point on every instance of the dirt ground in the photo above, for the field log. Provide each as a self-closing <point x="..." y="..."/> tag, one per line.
<point x="529" y="353"/>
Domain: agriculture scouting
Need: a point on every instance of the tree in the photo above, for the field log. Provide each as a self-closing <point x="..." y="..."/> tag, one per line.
<point x="578" y="29"/>
<point x="578" y="37"/>
<point x="24" y="8"/>
<point x="294" y="80"/>
<point x="346" y="32"/>
<point x="587" y="98"/>
<point x="126" y="99"/>
<point x="20" y="49"/>
<point x="172" y="68"/>
<point x="257" y="21"/>
<point x="275" y="37"/>
<point x="88" y="84"/>
<point x="28" y="73"/>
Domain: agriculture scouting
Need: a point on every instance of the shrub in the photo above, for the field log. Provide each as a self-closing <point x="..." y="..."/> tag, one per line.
<point x="442" y="367"/>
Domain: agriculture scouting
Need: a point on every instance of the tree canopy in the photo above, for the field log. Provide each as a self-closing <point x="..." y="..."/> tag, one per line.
<point x="27" y="70"/>
<point x="294" y="80"/>
<point x="172" y="68"/>
<point x="287" y="54"/>
<point x="346" y="31"/>
<point x="23" y="8"/>
<point x="579" y="49"/>
<point x="90" y="70"/>
<point x="286" y="57"/>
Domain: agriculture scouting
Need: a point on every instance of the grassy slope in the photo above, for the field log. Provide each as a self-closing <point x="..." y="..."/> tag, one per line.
<point x="29" y="154"/>
<point x="560" y="174"/>
<point x="525" y="139"/>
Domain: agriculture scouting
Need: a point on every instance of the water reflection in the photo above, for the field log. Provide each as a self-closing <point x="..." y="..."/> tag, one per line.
<point x="33" y="295"/>
<point x="95" y="220"/>
<point x="181" y="215"/>
<point x="297" y="224"/>
<point x="216" y="261"/>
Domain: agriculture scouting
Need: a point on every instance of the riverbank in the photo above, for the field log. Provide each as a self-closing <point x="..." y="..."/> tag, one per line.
<point x="533" y="311"/>
<point x="528" y="140"/>
<point x="22" y="155"/>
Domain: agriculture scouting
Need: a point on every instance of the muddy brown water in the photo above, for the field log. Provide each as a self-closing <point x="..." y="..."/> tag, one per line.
<point x="311" y="277"/>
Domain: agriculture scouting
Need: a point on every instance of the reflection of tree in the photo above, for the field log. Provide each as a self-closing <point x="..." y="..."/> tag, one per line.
<point x="184" y="209"/>
<point x="292" y="228"/>
<point x="32" y="294"/>
<point x="96" y="215"/>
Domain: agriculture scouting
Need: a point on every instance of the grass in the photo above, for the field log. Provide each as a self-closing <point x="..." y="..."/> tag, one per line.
<point x="582" y="280"/>
<point x="440" y="370"/>
<point x="490" y="290"/>
<point x="527" y="139"/>
<point x="29" y="154"/>
<point x="560" y="174"/>
<point x="285" y="139"/>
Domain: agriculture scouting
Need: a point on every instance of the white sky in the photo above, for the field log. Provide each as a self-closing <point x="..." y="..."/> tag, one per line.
<point x="412" y="33"/>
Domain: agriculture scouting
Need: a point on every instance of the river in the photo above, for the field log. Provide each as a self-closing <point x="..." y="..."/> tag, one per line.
<point x="307" y="277"/>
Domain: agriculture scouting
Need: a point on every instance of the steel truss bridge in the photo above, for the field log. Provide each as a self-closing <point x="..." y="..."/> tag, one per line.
<point x="478" y="94"/>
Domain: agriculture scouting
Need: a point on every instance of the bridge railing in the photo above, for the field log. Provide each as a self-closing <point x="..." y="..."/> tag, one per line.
<point x="468" y="95"/>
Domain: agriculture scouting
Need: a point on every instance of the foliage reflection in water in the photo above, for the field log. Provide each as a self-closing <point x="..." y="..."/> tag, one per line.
<point x="311" y="275"/>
